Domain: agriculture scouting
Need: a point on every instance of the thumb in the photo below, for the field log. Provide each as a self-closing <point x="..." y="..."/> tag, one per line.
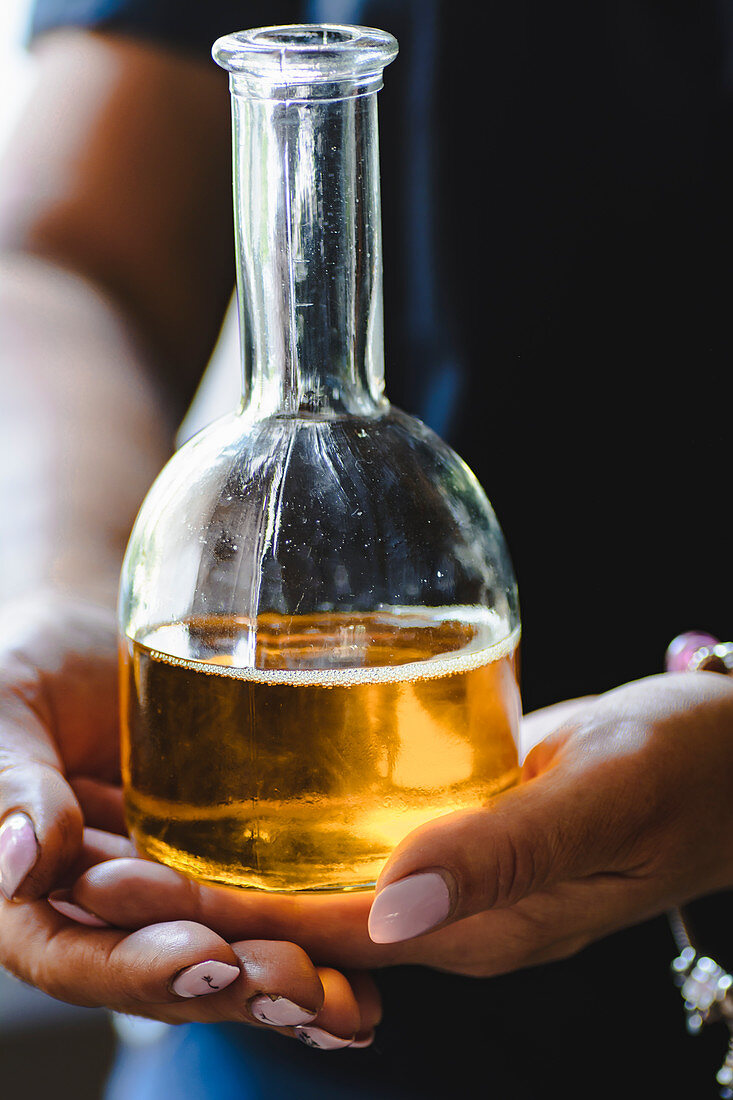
<point x="464" y="863"/>
<point x="41" y="822"/>
<point x="58" y="684"/>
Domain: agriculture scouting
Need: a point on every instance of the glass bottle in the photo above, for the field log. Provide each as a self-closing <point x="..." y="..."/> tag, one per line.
<point x="318" y="615"/>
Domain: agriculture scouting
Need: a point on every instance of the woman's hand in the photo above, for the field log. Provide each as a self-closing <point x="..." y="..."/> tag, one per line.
<point x="61" y="813"/>
<point x="625" y="808"/>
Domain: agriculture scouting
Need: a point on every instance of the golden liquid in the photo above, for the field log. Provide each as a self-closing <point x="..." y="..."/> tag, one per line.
<point x="288" y="776"/>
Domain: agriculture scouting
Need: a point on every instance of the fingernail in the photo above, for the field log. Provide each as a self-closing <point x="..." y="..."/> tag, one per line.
<point x="408" y="908"/>
<point x="323" y="1040"/>
<point x="60" y="900"/>
<point x="365" y="1041"/>
<point x="203" y="978"/>
<point x="279" y="1011"/>
<point x="18" y="852"/>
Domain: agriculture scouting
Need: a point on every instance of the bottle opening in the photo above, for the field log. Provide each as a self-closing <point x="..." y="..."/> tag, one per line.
<point x="304" y="36"/>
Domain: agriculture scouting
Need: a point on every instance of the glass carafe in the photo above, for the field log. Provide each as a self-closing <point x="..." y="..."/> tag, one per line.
<point x="318" y="614"/>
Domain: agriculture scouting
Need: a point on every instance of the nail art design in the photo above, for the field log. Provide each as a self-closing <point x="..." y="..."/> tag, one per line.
<point x="322" y="1040"/>
<point x="203" y="978"/>
<point x="269" y="1008"/>
<point x="18" y="852"/>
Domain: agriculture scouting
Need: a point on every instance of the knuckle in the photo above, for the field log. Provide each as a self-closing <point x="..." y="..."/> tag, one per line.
<point x="58" y="971"/>
<point x="21" y="686"/>
<point x="514" y="871"/>
<point x="131" y="979"/>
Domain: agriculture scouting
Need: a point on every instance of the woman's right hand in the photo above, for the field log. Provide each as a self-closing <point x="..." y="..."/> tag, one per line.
<point x="61" y="812"/>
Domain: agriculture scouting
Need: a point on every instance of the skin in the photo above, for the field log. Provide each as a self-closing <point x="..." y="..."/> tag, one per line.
<point x="624" y="806"/>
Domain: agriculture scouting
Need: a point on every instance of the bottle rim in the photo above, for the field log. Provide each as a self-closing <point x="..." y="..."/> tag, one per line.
<point x="306" y="53"/>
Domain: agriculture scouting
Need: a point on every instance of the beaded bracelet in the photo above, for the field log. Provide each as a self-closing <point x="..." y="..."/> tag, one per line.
<point x="706" y="988"/>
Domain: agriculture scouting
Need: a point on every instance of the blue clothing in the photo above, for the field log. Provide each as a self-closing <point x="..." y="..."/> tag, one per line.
<point x="558" y="228"/>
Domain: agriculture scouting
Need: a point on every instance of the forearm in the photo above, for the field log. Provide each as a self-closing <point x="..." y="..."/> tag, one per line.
<point x="111" y="176"/>
<point x="84" y="431"/>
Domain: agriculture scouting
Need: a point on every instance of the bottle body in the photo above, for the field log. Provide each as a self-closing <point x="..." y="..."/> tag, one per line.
<point x="305" y="778"/>
<point x="374" y="689"/>
<point x="318" y="615"/>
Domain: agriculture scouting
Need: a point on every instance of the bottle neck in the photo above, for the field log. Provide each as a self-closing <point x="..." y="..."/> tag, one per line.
<point x="309" y="252"/>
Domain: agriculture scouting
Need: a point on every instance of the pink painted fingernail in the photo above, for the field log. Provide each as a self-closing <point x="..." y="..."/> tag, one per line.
<point x="18" y="852"/>
<point x="323" y="1040"/>
<point x="203" y="978"/>
<point x="60" y="900"/>
<point x="279" y="1011"/>
<point x="408" y="908"/>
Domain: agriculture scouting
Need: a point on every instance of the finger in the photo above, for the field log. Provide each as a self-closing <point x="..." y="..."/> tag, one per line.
<point x="605" y="795"/>
<point x="339" y="1020"/>
<point x="97" y="847"/>
<point x="57" y="717"/>
<point x="529" y="838"/>
<point x="20" y="851"/>
<point x="180" y="972"/>
<point x="101" y="804"/>
<point x="149" y="972"/>
<point x="280" y="989"/>
<point x="319" y="1006"/>
<point x="369" y="1001"/>
<point x="59" y="660"/>
<point x="281" y="986"/>
<point x="100" y="846"/>
<point x="134" y="892"/>
<point x="169" y="971"/>
<point x="40" y="829"/>
<point x="40" y="818"/>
